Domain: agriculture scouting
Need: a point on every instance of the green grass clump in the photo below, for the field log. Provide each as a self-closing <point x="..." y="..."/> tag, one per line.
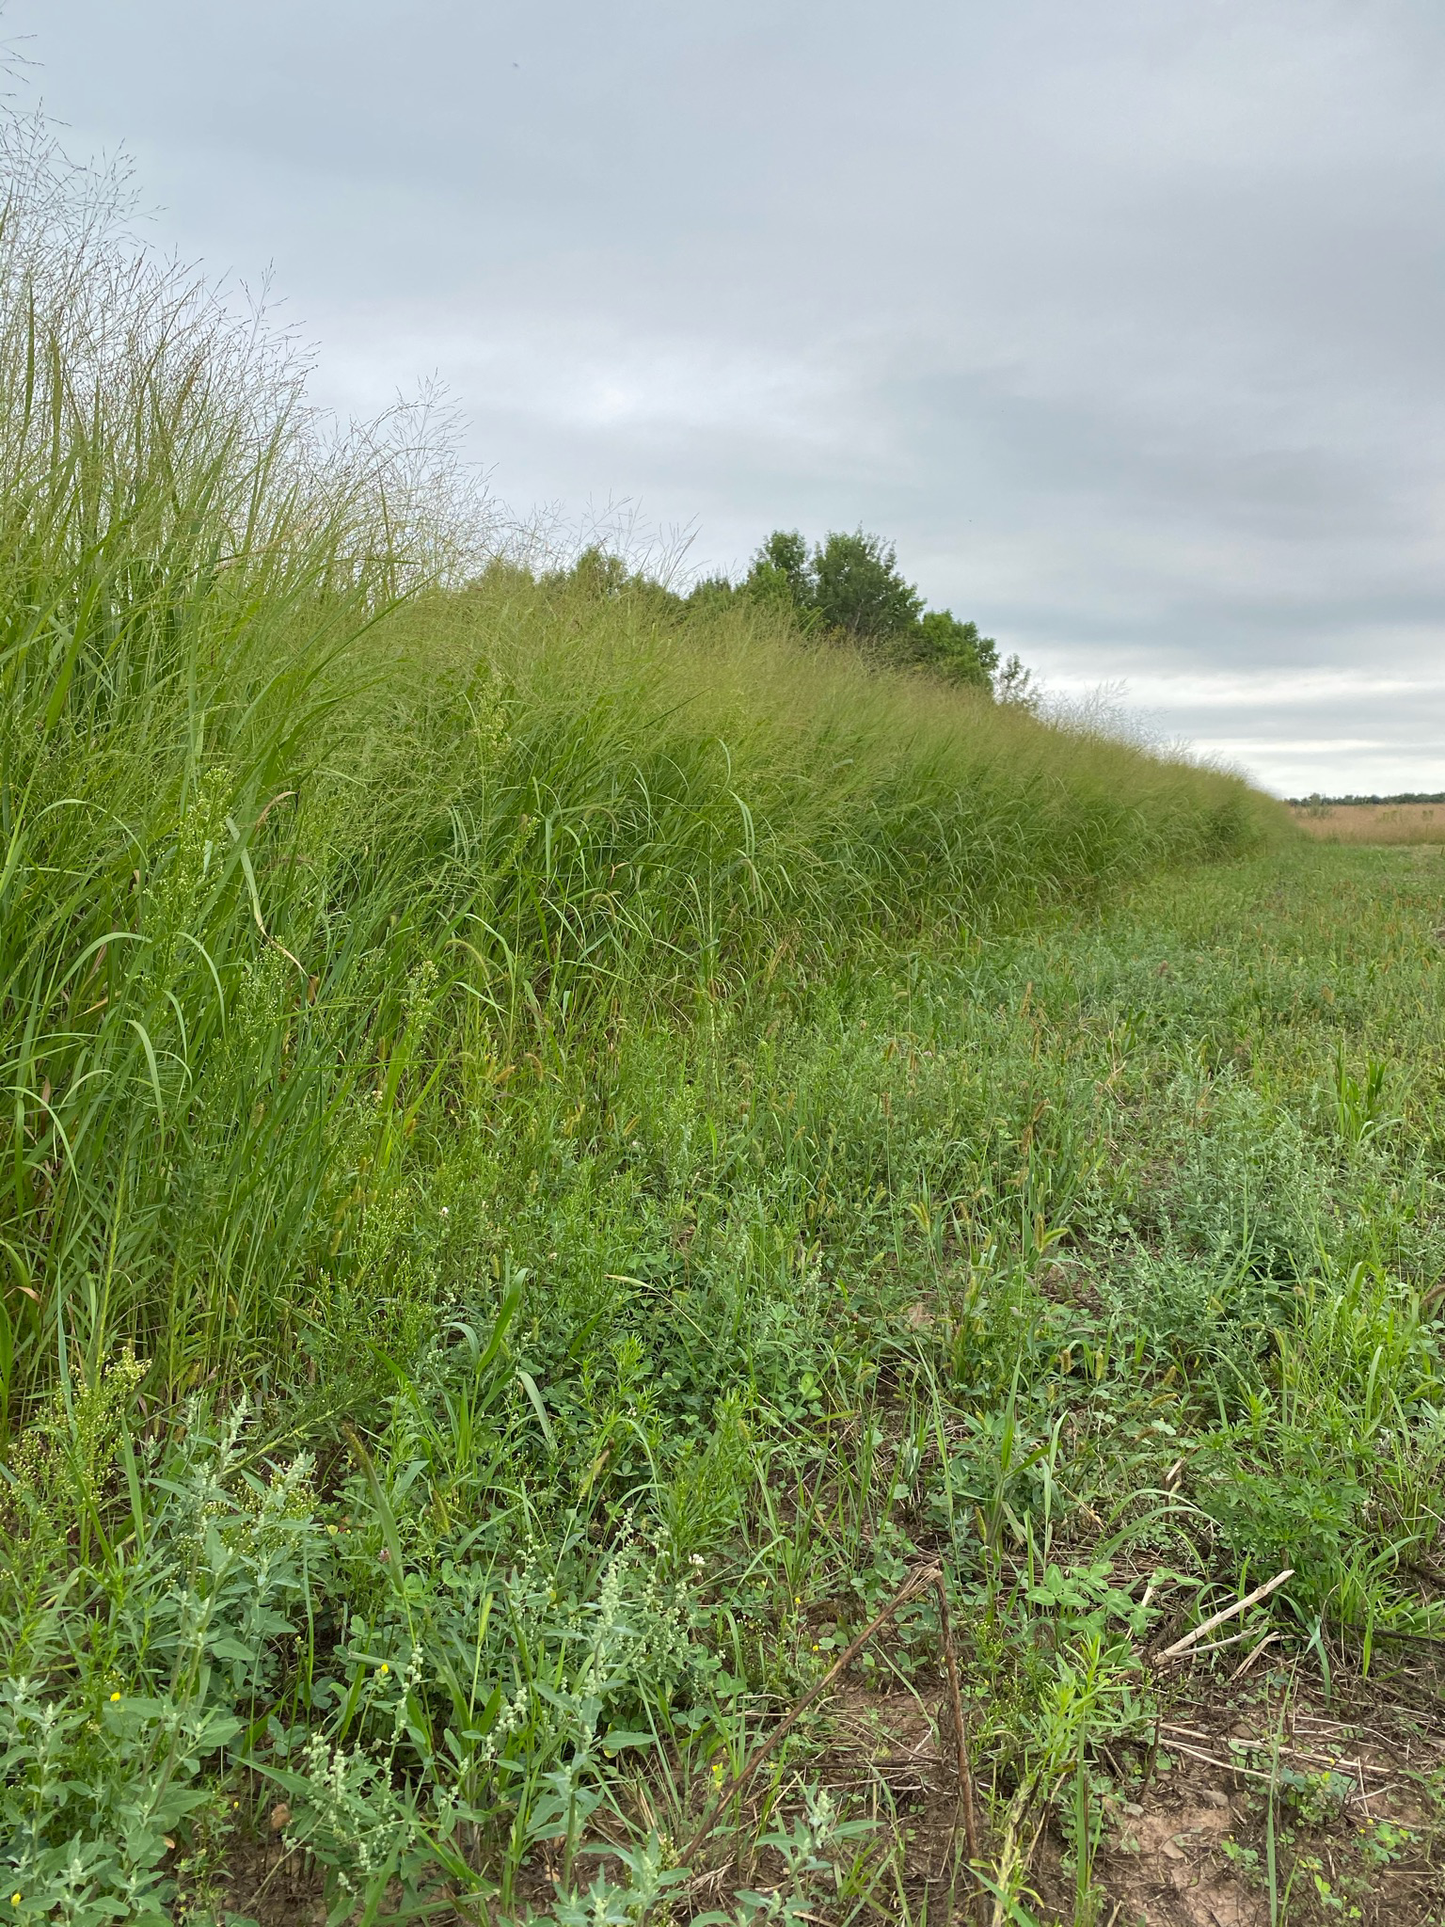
<point x="301" y="856"/>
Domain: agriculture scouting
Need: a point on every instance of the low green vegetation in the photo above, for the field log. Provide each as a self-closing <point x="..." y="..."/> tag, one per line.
<point x="563" y="1143"/>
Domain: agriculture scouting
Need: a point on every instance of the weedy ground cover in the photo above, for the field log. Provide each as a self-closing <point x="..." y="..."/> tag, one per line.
<point x="1096" y="1260"/>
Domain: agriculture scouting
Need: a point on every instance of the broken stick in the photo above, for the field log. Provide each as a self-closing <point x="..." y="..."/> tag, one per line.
<point x="1182" y="1646"/>
<point x="916" y="1583"/>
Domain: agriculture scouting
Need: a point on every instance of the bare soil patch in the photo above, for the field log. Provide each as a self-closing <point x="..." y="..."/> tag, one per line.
<point x="1351" y="1778"/>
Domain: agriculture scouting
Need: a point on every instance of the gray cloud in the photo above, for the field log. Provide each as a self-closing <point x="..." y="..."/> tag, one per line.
<point x="1124" y="321"/>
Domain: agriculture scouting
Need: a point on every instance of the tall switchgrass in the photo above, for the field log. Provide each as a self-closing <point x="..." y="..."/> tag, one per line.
<point x="184" y="547"/>
<point x="303" y="846"/>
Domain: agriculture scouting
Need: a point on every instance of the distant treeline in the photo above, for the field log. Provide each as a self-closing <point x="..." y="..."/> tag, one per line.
<point x="1318" y="802"/>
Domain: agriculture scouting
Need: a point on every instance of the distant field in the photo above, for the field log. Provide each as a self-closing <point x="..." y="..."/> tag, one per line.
<point x="1373" y="822"/>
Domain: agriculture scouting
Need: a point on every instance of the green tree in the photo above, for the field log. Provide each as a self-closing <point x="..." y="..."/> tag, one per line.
<point x="857" y="587"/>
<point x="712" y="592"/>
<point x="596" y="571"/>
<point x="954" y="650"/>
<point x="782" y="571"/>
<point x="1015" y="684"/>
<point x="851" y="585"/>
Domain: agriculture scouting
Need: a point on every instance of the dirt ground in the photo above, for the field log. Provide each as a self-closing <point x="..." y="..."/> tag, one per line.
<point x="1355" y="1823"/>
<point x="1186" y="1840"/>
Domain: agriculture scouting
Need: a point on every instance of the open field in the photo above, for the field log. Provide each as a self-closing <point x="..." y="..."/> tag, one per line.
<point x="650" y="1275"/>
<point x="1373" y="822"/>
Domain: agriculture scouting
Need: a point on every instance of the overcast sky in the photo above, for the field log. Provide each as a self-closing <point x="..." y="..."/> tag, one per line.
<point x="1125" y="319"/>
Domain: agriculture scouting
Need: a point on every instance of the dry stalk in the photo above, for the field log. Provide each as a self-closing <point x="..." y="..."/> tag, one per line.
<point x="1182" y="1646"/>
<point x="1251" y="1656"/>
<point x="1333" y="1763"/>
<point x="916" y="1583"/>
<point x="960" y="1737"/>
<point x="1014" y="1855"/>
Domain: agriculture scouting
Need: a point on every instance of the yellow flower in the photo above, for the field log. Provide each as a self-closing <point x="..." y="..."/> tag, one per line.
<point x="113" y="1698"/>
<point x="14" y="1900"/>
<point x="383" y="1668"/>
